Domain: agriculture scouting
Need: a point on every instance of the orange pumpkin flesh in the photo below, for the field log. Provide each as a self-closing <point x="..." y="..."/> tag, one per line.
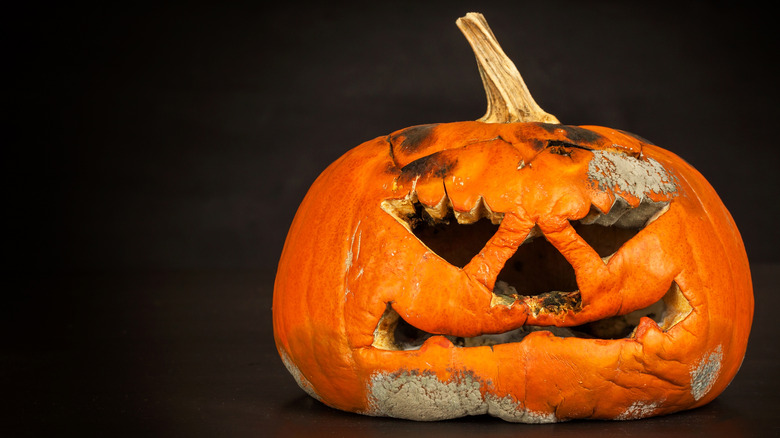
<point x="533" y="271"/>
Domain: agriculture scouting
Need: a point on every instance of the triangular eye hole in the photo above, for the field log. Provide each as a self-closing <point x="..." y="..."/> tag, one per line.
<point x="605" y="240"/>
<point x="457" y="243"/>
<point x="607" y="232"/>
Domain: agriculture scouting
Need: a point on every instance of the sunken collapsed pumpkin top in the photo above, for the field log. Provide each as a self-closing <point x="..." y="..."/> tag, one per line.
<point x="530" y="270"/>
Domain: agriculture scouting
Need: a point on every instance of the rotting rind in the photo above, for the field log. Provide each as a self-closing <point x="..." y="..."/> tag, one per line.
<point x="423" y="397"/>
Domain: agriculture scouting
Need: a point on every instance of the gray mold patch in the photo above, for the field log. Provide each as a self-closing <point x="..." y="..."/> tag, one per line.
<point x="423" y="397"/>
<point x="508" y="409"/>
<point x="638" y="410"/>
<point x="298" y="376"/>
<point x="611" y="170"/>
<point x="705" y="373"/>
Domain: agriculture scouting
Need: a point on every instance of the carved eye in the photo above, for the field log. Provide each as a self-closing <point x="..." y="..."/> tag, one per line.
<point x="455" y="242"/>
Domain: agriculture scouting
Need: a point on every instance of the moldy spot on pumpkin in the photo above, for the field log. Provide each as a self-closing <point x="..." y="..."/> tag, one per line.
<point x="300" y="379"/>
<point x="418" y="396"/>
<point x="639" y="410"/>
<point x="637" y="177"/>
<point x="422" y="396"/>
<point x="706" y="372"/>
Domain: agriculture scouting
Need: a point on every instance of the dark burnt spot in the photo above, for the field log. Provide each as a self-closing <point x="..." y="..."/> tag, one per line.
<point x="581" y="135"/>
<point x="574" y="134"/>
<point x="412" y="138"/>
<point x="538" y="144"/>
<point x="549" y="127"/>
<point x="631" y="134"/>
<point x="436" y="165"/>
<point x="392" y="169"/>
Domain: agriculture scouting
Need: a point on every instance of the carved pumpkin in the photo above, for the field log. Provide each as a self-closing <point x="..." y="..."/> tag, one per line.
<point x="513" y="266"/>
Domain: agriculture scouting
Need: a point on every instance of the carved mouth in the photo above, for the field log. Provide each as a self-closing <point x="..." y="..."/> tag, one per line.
<point x="394" y="333"/>
<point x="537" y="275"/>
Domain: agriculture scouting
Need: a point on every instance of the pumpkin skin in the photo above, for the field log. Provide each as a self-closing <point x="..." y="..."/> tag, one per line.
<point x="354" y="277"/>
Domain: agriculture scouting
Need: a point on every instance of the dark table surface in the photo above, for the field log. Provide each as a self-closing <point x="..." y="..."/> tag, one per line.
<point x="191" y="353"/>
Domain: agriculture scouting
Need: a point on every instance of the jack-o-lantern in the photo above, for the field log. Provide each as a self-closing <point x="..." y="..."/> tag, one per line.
<point x="512" y="266"/>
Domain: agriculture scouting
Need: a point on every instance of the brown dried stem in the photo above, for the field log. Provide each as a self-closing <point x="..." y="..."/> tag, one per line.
<point x="508" y="97"/>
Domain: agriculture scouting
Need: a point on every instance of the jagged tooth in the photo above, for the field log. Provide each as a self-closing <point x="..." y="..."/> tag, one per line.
<point x="623" y="215"/>
<point x="471" y="216"/>
<point x="618" y="209"/>
<point x="592" y="217"/>
<point x="639" y="216"/>
<point x="440" y="210"/>
<point x="412" y="196"/>
<point x="495" y="217"/>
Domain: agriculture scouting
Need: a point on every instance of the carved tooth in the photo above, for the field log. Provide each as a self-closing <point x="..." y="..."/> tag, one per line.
<point x="464" y="217"/>
<point x="473" y="215"/>
<point x="412" y="196"/>
<point x="495" y="217"/>
<point x="592" y="217"/>
<point x="638" y="217"/>
<point x="480" y="210"/>
<point x="440" y="210"/>
<point x="622" y="215"/>
<point x="618" y="209"/>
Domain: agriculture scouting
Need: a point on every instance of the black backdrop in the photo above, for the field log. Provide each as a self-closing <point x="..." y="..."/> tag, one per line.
<point x="155" y="138"/>
<point x="185" y="137"/>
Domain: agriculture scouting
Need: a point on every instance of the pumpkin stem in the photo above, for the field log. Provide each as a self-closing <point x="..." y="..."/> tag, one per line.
<point x="508" y="97"/>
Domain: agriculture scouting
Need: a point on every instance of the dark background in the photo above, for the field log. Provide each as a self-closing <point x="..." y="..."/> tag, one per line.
<point x="154" y="156"/>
